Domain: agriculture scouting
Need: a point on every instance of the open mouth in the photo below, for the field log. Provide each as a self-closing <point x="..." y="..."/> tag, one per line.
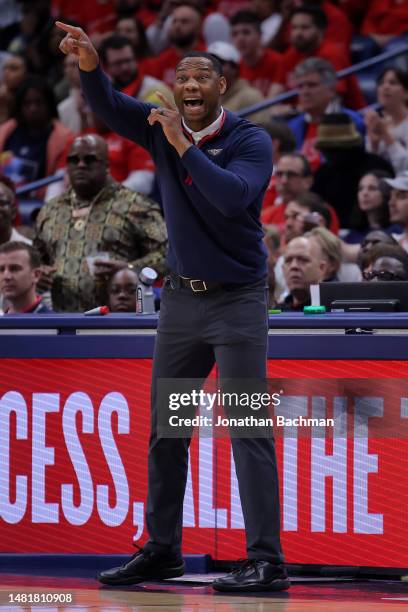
<point x="196" y="103"/>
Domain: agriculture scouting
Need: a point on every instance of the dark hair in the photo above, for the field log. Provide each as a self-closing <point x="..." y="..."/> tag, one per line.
<point x="14" y="245"/>
<point x="314" y="203"/>
<point x="402" y="76"/>
<point x="213" y="59"/>
<point x="307" y="169"/>
<point x="40" y="85"/>
<point x="318" y="16"/>
<point x="282" y="132"/>
<point x="358" y="218"/>
<point x="389" y="250"/>
<point x="113" y="42"/>
<point x="142" y="50"/>
<point x="246" y="17"/>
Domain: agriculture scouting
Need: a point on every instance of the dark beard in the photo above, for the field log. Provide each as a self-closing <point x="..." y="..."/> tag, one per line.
<point x="121" y="84"/>
<point x="183" y="42"/>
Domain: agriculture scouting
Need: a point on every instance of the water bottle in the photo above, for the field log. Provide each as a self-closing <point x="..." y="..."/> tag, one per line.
<point x="144" y="291"/>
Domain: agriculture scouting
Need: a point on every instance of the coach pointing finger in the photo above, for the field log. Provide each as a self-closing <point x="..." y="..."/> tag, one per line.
<point x="79" y="44"/>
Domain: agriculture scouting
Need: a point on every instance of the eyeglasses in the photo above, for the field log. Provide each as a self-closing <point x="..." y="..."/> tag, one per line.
<point x="4" y="202"/>
<point x="88" y="160"/>
<point x="383" y="275"/>
<point x="288" y="173"/>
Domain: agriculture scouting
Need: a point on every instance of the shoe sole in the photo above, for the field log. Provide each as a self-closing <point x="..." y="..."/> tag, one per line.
<point x="168" y="573"/>
<point x="275" y="585"/>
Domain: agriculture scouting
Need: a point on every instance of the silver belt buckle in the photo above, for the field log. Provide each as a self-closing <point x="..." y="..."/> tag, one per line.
<point x="196" y="280"/>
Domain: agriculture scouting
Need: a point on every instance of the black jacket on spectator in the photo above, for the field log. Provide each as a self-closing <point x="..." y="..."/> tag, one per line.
<point x="336" y="181"/>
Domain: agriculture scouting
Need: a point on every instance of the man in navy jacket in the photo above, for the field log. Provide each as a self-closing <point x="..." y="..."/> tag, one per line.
<point x="213" y="169"/>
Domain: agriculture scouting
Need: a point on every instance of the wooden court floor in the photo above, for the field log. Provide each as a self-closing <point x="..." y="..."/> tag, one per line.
<point x="196" y="595"/>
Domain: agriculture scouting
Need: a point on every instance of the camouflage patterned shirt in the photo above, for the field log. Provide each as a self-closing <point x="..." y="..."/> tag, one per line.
<point x="125" y="224"/>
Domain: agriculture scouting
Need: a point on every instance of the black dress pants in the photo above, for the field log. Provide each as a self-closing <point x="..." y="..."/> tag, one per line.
<point x="228" y="326"/>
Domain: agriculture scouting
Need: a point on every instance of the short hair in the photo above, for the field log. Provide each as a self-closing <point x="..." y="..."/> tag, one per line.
<point x="213" y="59"/>
<point x="113" y="42"/>
<point x="389" y="250"/>
<point x="247" y="17"/>
<point x="401" y="75"/>
<point x="329" y="244"/>
<point x="314" y="203"/>
<point x="190" y="3"/>
<point x="41" y="86"/>
<point x="323" y="68"/>
<point x="307" y="169"/>
<point x="14" y="245"/>
<point x="317" y="15"/>
<point x="282" y="132"/>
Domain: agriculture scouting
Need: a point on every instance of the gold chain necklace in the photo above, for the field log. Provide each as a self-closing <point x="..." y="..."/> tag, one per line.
<point x="82" y="214"/>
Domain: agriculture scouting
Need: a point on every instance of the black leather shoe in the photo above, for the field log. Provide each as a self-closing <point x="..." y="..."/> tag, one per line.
<point x="144" y="565"/>
<point x="254" y="575"/>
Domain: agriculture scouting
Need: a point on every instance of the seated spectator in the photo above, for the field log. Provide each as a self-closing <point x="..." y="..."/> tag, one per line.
<point x="122" y="291"/>
<point x="8" y="211"/>
<point x="33" y="141"/>
<point x="372" y="210"/>
<point x="184" y="35"/>
<point x="387" y="263"/>
<point x="372" y="240"/>
<point x="304" y="265"/>
<point x="315" y="80"/>
<point x="331" y="249"/>
<point x="272" y="242"/>
<point x="307" y="39"/>
<point x="133" y="29"/>
<point x="336" y="181"/>
<point x="95" y="216"/>
<point x="399" y="206"/>
<point x="293" y="177"/>
<point x="387" y="129"/>
<point x="385" y="20"/>
<point x="240" y="94"/>
<point x="120" y="63"/>
<point x="31" y="41"/>
<point x="260" y="67"/>
<point x="214" y="25"/>
<point x="339" y="29"/>
<point x="14" y="72"/>
<point x="20" y="271"/>
<point x="303" y="213"/>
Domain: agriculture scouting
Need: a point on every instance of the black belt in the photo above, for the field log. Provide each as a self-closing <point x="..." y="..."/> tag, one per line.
<point x="199" y="286"/>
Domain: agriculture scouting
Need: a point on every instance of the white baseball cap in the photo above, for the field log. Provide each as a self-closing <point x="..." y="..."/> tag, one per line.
<point x="224" y="51"/>
<point x="400" y="182"/>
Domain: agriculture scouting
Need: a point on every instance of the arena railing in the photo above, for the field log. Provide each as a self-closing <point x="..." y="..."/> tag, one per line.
<point x="287" y="95"/>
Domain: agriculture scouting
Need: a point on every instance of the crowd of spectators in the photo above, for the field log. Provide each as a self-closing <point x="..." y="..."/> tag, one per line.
<point x="336" y="207"/>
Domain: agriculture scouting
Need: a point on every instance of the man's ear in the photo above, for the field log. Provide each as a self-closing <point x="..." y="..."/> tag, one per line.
<point x="37" y="274"/>
<point x="223" y="85"/>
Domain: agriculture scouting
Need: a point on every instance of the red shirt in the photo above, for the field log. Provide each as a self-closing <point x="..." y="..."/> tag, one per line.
<point x="266" y="71"/>
<point x="93" y="15"/>
<point x="163" y="66"/>
<point x="348" y="88"/>
<point x="386" y="17"/>
<point x="273" y="210"/>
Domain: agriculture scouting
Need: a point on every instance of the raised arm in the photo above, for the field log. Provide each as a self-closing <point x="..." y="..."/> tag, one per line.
<point x="123" y="114"/>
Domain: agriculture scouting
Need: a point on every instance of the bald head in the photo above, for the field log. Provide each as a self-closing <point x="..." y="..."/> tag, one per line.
<point x="87" y="164"/>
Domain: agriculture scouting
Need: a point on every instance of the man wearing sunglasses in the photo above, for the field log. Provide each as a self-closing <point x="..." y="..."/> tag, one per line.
<point x="95" y="216"/>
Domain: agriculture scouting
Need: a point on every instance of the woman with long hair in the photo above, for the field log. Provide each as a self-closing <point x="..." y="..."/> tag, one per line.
<point x="371" y="211"/>
<point x="387" y="129"/>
